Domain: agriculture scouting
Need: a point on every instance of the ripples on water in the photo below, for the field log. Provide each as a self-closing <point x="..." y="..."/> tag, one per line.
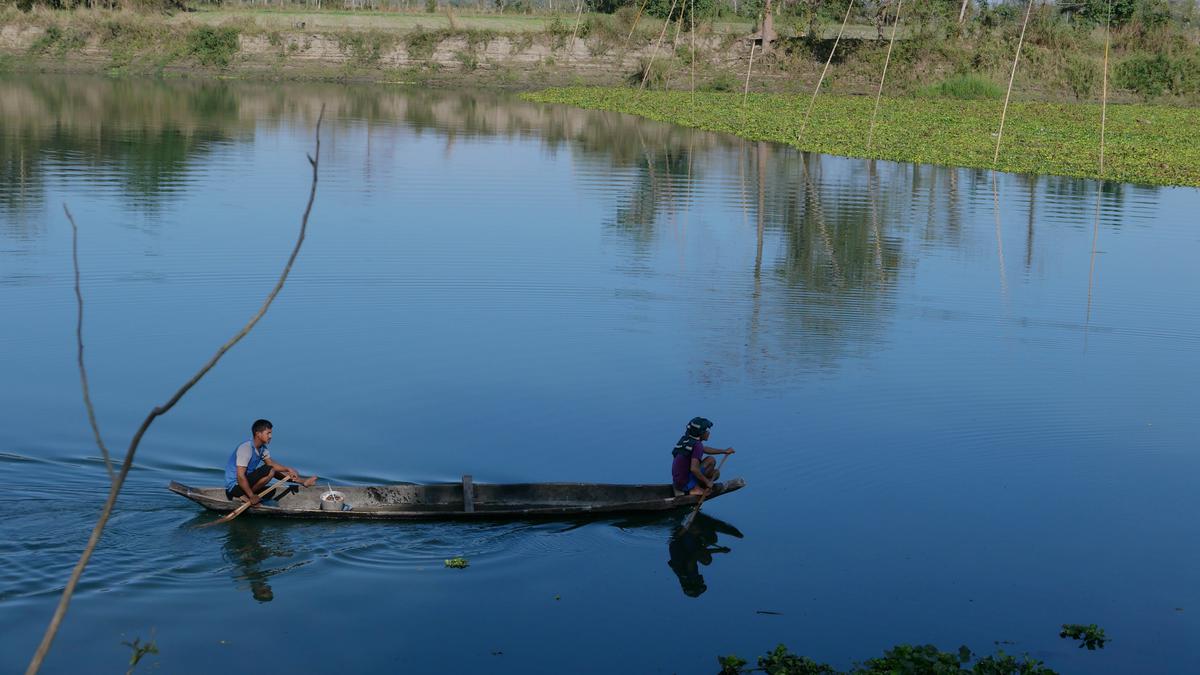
<point x="959" y="421"/>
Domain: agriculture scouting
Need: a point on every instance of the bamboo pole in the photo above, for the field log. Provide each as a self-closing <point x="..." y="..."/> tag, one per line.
<point x="692" y="19"/>
<point x="578" y="16"/>
<point x="1011" y="77"/>
<point x="666" y="25"/>
<point x="746" y="89"/>
<point x="635" y="21"/>
<point x="804" y="124"/>
<point x="886" y="61"/>
<point x="1100" y="180"/>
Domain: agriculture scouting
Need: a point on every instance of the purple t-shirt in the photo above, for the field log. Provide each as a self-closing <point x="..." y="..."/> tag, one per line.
<point x="681" y="466"/>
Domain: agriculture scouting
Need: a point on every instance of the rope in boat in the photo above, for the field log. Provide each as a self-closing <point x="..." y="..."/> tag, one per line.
<point x="1011" y="77"/>
<point x="666" y="25"/>
<point x="886" y="61"/>
<point x="804" y="125"/>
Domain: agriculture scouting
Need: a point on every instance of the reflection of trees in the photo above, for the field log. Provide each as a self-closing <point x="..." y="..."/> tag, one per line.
<point x="249" y="545"/>
<point x="142" y="134"/>
<point x="831" y="284"/>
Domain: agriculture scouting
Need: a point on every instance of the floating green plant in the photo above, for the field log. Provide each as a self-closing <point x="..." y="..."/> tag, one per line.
<point x="1143" y="143"/>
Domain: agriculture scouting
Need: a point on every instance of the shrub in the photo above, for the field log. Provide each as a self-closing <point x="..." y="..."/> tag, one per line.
<point x="1079" y="72"/>
<point x="654" y="73"/>
<point x="721" y="82"/>
<point x="421" y="43"/>
<point x="213" y="46"/>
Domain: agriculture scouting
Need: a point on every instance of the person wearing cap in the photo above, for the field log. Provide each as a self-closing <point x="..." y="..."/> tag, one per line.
<point x="691" y="472"/>
<point x="250" y="467"/>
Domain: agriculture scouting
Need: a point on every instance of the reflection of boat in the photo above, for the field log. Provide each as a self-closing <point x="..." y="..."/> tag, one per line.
<point x="466" y="500"/>
<point x="695" y="546"/>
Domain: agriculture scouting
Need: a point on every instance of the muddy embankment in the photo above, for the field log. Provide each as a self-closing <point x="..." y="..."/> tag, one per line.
<point x="125" y="43"/>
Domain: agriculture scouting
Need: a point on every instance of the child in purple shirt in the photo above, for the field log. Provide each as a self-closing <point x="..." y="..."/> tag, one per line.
<point x="691" y="472"/>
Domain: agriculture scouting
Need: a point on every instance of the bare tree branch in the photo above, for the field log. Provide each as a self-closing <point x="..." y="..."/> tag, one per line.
<point x="83" y="379"/>
<point x="65" y="600"/>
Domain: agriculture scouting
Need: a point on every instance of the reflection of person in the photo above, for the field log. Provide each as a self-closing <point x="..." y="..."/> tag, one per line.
<point x="246" y="548"/>
<point x="250" y="467"/>
<point x="691" y="472"/>
<point x="693" y="547"/>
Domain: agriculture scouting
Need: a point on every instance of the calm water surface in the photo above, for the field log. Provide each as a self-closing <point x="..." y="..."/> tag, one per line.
<point x="966" y="413"/>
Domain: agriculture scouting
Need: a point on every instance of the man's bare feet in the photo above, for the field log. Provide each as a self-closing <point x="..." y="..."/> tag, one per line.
<point x="310" y="481"/>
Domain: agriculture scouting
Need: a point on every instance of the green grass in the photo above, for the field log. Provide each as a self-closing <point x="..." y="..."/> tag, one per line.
<point x="965" y="88"/>
<point x="1144" y="144"/>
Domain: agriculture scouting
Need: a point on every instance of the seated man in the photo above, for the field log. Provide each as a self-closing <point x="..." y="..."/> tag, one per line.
<point x="691" y="472"/>
<point x="250" y="467"/>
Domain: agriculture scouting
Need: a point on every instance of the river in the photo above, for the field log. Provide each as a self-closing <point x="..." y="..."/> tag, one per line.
<point x="964" y="404"/>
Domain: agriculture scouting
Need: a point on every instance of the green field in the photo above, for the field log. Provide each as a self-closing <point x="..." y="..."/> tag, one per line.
<point x="1143" y="143"/>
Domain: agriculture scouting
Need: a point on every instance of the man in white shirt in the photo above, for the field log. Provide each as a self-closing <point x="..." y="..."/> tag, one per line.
<point x="250" y="467"/>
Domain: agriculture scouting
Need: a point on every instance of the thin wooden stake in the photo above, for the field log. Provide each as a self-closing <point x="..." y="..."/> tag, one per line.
<point x="886" y="61"/>
<point x="804" y="124"/>
<point x="666" y="25"/>
<point x="578" y="16"/>
<point x="746" y="89"/>
<point x="1011" y="77"/>
<point x="635" y="21"/>
<point x="692" y="17"/>
<point x="1087" y="319"/>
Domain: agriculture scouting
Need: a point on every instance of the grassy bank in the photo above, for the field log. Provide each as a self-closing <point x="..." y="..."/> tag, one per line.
<point x="1144" y="144"/>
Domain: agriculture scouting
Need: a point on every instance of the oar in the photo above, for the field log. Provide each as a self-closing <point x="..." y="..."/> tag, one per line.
<point x="704" y="496"/>
<point x="238" y="511"/>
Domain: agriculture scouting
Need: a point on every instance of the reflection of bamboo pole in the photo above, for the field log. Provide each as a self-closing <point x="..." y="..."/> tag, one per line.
<point x="761" y="148"/>
<point x="1029" y="223"/>
<point x="819" y="215"/>
<point x="886" y="61"/>
<point x="666" y="25"/>
<point x="1012" y="76"/>
<point x="873" y="185"/>
<point x="749" y="67"/>
<point x="804" y="124"/>
<point x="999" y="240"/>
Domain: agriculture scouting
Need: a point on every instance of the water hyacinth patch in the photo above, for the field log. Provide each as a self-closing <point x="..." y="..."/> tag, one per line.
<point x="1143" y="143"/>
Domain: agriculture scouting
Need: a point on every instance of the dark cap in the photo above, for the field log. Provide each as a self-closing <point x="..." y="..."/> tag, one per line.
<point x="698" y="426"/>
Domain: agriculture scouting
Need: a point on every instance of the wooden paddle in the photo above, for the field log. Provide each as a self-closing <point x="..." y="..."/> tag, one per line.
<point x="238" y="511"/>
<point x="691" y="517"/>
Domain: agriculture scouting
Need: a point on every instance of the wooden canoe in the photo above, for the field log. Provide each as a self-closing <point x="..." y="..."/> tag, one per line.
<point x="461" y="501"/>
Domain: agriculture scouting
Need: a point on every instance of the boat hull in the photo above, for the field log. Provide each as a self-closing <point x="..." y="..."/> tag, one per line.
<point x="461" y="501"/>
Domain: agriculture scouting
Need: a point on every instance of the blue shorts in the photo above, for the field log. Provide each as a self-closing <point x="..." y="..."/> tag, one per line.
<point x="692" y="482"/>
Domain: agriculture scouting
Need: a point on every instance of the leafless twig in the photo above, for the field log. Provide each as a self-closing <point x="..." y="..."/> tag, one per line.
<point x="94" y="539"/>
<point x="87" y="399"/>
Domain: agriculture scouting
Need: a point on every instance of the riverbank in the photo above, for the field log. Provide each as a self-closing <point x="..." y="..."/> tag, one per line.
<point x="1052" y="128"/>
<point x="1143" y="143"/>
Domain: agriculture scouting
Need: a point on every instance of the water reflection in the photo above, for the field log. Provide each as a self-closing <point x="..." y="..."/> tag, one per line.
<point x="833" y="240"/>
<point x="695" y="546"/>
<point x="249" y="545"/>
